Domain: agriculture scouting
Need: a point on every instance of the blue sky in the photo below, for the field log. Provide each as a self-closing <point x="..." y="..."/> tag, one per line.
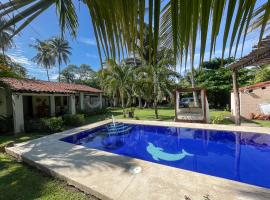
<point x="84" y="48"/>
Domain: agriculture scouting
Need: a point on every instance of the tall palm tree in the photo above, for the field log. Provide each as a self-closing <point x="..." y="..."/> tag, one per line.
<point x="60" y="50"/>
<point x="44" y="56"/>
<point x="6" y="41"/>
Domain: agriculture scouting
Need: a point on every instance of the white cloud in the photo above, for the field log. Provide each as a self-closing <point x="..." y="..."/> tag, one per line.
<point x="33" y="70"/>
<point x="87" y="41"/>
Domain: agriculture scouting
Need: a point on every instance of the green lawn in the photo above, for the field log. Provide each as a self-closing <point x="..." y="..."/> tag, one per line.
<point x="19" y="181"/>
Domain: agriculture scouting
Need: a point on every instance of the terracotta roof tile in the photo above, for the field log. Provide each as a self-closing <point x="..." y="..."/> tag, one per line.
<point x="29" y="85"/>
<point x="255" y="86"/>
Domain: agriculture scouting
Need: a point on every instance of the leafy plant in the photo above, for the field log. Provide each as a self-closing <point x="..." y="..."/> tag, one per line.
<point x="53" y="124"/>
<point x="74" y="120"/>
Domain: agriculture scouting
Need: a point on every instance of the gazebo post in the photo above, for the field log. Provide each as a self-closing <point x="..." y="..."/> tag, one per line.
<point x="236" y="98"/>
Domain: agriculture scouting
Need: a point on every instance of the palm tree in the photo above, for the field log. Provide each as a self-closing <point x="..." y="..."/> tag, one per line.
<point x="44" y="56"/>
<point x="6" y="41"/>
<point x="116" y="79"/>
<point x="182" y="22"/>
<point x="158" y="82"/>
<point x="60" y="50"/>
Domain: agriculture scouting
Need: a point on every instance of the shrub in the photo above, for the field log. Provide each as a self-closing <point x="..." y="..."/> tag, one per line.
<point x="6" y="124"/>
<point x="53" y="124"/>
<point x="74" y="120"/>
<point x="95" y="111"/>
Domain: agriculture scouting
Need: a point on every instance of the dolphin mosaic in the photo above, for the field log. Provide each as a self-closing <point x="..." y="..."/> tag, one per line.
<point x="159" y="154"/>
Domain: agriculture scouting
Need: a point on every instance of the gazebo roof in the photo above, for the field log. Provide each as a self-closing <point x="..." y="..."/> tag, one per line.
<point x="259" y="55"/>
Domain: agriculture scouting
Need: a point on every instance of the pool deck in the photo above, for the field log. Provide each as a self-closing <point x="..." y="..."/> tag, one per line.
<point x="108" y="176"/>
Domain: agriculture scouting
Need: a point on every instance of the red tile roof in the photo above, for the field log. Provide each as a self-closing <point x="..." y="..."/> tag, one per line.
<point x="255" y="86"/>
<point x="37" y="86"/>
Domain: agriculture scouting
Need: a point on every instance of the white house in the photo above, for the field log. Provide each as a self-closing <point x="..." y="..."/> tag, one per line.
<point x="23" y="98"/>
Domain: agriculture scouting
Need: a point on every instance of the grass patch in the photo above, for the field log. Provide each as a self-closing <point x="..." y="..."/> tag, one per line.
<point x="263" y="123"/>
<point x="19" y="181"/>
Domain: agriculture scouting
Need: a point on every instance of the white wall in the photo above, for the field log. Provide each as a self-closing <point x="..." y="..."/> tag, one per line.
<point x="232" y="104"/>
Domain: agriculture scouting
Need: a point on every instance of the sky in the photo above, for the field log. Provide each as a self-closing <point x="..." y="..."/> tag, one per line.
<point x="84" y="48"/>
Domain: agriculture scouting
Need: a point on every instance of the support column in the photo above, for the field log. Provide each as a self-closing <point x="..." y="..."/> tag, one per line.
<point x="72" y="108"/>
<point x="18" y="119"/>
<point x="81" y="99"/>
<point x="100" y="100"/>
<point x="52" y="106"/>
<point x="237" y="116"/>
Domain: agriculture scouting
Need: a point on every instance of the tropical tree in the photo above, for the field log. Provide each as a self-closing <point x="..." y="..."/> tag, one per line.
<point x="216" y="78"/>
<point x="68" y="74"/>
<point x="182" y="22"/>
<point x="157" y="82"/>
<point x="83" y="74"/>
<point x="44" y="56"/>
<point x="60" y="51"/>
<point x="261" y="73"/>
<point x="116" y="80"/>
<point x="6" y="41"/>
<point x="9" y="68"/>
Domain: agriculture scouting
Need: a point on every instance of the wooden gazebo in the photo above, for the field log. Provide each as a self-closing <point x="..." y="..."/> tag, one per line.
<point x="259" y="55"/>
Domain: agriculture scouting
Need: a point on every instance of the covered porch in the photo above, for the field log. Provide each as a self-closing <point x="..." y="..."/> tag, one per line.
<point x="31" y="99"/>
<point x="260" y="55"/>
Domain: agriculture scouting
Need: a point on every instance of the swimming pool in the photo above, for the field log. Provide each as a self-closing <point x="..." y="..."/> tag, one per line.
<point x="239" y="156"/>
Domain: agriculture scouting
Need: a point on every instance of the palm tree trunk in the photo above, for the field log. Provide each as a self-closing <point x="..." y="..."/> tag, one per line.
<point x="48" y="74"/>
<point x="123" y="104"/>
<point x="140" y="102"/>
<point x="155" y="94"/>
<point x="59" y="70"/>
<point x="145" y="104"/>
<point x="236" y="99"/>
<point x="122" y="100"/>
<point x="195" y="96"/>
<point x="156" y="108"/>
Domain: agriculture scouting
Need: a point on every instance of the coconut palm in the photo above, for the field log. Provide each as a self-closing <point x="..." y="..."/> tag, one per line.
<point x="182" y="22"/>
<point x="158" y="81"/>
<point x="44" y="56"/>
<point x="60" y="50"/>
<point x="6" y="41"/>
<point x="116" y="79"/>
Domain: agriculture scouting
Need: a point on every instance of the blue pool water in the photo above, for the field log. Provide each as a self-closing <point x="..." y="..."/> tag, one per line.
<point x="239" y="156"/>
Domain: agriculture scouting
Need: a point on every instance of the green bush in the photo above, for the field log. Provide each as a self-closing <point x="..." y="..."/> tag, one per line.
<point x="74" y="120"/>
<point x="95" y="111"/>
<point x="53" y="124"/>
<point x="6" y="124"/>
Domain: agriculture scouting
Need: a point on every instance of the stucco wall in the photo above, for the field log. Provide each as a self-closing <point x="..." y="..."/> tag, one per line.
<point x="249" y="102"/>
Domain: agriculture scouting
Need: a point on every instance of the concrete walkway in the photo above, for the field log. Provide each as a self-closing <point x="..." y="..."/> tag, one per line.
<point x="108" y="176"/>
